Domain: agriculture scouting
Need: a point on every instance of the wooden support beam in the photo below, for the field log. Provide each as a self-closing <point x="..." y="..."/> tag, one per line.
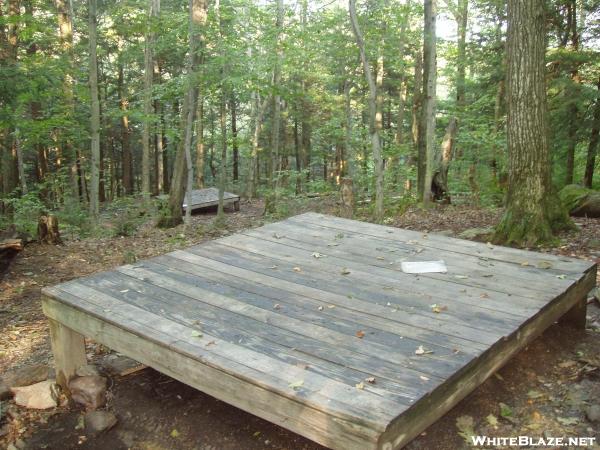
<point x="68" y="347"/>
<point x="576" y="316"/>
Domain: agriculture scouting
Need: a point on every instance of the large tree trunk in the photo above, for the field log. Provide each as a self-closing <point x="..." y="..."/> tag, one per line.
<point x="590" y="163"/>
<point x="532" y="212"/>
<point x="182" y="178"/>
<point x="427" y="128"/>
<point x="439" y="187"/>
<point x="95" y="117"/>
<point x="374" y="121"/>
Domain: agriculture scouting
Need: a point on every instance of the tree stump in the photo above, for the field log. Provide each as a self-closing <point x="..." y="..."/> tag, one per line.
<point x="48" y="230"/>
<point x="347" y="197"/>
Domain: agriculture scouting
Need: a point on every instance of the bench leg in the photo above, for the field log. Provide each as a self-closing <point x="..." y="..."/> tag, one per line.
<point x="236" y="205"/>
<point x="575" y="317"/>
<point x="68" y="347"/>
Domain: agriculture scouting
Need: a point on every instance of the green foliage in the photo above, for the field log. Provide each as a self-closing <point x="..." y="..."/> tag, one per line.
<point x="26" y="210"/>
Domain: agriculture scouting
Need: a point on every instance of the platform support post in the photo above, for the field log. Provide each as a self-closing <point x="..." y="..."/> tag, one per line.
<point x="576" y="316"/>
<point x="68" y="347"/>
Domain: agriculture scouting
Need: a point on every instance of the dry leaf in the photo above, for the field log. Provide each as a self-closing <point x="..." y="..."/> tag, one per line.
<point x="320" y="308"/>
<point x="345" y="271"/>
<point x="273" y="267"/>
<point x="424" y="378"/>
<point x="438" y="308"/>
<point x="360" y="385"/>
<point x="381" y="258"/>
<point x="370" y="380"/>
<point x="317" y="255"/>
<point x="484" y="295"/>
<point x="196" y="334"/>
<point x="276" y="306"/>
<point x="297" y="269"/>
<point x="422" y="351"/>
<point x="360" y="334"/>
<point x="525" y="263"/>
<point x="296" y="384"/>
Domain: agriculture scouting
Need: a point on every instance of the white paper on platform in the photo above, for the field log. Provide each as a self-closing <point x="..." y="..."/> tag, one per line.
<point x="424" y="267"/>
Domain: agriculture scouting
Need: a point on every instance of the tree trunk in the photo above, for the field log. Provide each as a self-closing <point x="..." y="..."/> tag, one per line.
<point x="259" y="110"/>
<point x="153" y="11"/>
<point x="374" y="119"/>
<point x="572" y="93"/>
<point x="65" y="27"/>
<point x="182" y="179"/>
<point x="235" y="149"/>
<point x="127" y="158"/>
<point x="532" y="212"/>
<point x="439" y="186"/>
<point x="593" y="145"/>
<point x="95" y="117"/>
<point x="427" y="129"/>
<point x="461" y="18"/>
<point x="276" y="125"/>
<point x="223" y="159"/>
<point x="48" y="230"/>
<point x="200" y="143"/>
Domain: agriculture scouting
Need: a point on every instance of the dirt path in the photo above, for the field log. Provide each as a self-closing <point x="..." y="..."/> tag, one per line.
<point x="546" y="389"/>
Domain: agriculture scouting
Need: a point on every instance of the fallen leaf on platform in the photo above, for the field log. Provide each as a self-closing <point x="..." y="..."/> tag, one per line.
<point x="317" y="255"/>
<point x="196" y="334"/>
<point x="360" y="334"/>
<point x="345" y="271"/>
<point x="484" y="295"/>
<point x="424" y="378"/>
<point x="297" y="269"/>
<point x="489" y="244"/>
<point x="370" y="380"/>
<point x="276" y="306"/>
<point x="561" y="277"/>
<point x="544" y="265"/>
<point x="461" y="277"/>
<point x="438" y="308"/>
<point x="278" y="236"/>
<point x="381" y="258"/>
<point x="360" y="385"/>
<point x="525" y="263"/>
<point x="422" y="351"/>
<point x="273" y="267"/>
<point x="320" y="308"/>
<point x="296" y="384"/>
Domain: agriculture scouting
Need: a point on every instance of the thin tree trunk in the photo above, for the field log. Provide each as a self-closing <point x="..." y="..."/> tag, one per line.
<point x="593" y="145"/>
<point x="223" y="161"/>
<point x="427" y="133"/>
<point x="275" y="130"/>
<point x="572" y="93"/>
<point x="440" y="189"/>
<point x="235" y="149"/>
<point x="20" y="164"/>
<point x="127" y="157"/>
<point x="95" y="113"/>
<point x="65" y="27"/>
<point x="200" y="142"/>
<point x="374" y="119"/>
<point x="351" y="157"/>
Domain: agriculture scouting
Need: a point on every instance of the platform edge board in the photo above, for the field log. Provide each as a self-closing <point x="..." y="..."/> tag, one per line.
<point x="318" y="426"/>
<point x="429" y="409"/>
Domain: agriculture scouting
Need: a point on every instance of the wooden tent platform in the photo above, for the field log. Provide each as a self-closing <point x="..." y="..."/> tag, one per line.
<point x="309" y="323"/>
<point x="203" y="198"/>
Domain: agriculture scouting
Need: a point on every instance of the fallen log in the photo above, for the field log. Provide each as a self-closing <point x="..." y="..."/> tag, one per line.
<point x="580" y="201"/>
<point x="9" y="248"/>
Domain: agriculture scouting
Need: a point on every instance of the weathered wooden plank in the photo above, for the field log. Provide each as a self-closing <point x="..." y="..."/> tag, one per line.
<point x="339" y="399"/>
<point x="497" y="275"/>
<point x="202" y="198"/>
<point x="408" y="425"/>
<point x="265" y="286"/>
<point x="357" y="353"/>
<point x="389" y="270"/>
<point x="286" y="412"/>
<point x="357" y="284"/>
<point x="226" y="326"/>
<point x="409" y="321"/>
<point x="512" y="255"/>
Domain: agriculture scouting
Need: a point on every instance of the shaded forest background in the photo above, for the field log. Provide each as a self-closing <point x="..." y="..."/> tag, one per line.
<point x="270" y="99"/>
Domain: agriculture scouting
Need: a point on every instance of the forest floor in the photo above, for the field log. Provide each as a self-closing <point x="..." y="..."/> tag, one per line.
<point x="544" y="391"/>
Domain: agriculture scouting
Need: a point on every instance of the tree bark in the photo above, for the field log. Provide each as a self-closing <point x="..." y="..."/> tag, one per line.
<point x="235" y="145"/>
<point x="276" y="125"/>
<point x="95" y="113"/>
<point x="532" y="212"/>
<point x="427" y="128"/>
<point x="127" y="157"/>
<point x="439" y="186"/>
<point x="153" y="11"/>
<point x="182" y="179"/>
<point x="200" y="143"/>
<point x="374" y="114"/>
<point x="590" y="163"/>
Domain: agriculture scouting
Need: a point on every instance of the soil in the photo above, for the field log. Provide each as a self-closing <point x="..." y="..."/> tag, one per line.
<point x="543" y="391"/>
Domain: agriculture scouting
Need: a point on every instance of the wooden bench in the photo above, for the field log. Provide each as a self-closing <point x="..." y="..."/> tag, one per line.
<point x="309" y="323"/>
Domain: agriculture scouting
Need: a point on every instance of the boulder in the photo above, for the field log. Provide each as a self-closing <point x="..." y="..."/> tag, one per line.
<point x="26" y="376"/>
<point x="580" y="201"/>
<point x="89" y="391"/>
<point x="41" y="395"/>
